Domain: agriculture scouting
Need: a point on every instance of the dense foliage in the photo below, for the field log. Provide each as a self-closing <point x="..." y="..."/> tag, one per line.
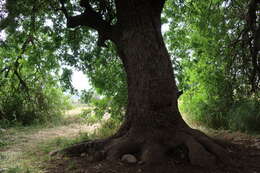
<point x="30" y="89"/>
<point x="213" y="66"/>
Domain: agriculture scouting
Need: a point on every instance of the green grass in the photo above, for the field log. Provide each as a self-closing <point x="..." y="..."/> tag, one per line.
<point x="22" y="153"/>
<point x="13" y="159"/>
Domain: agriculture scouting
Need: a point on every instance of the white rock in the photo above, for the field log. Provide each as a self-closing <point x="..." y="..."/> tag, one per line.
<point x="129" y="158"/>
<point x="83" y="154"/>
<point x="2" y="130"/>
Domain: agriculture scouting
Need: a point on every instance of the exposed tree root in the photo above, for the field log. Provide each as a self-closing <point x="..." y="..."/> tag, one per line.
<point x="90" y="147"/>
<point x="212" y="146"/>
<point x="153" y="150"/>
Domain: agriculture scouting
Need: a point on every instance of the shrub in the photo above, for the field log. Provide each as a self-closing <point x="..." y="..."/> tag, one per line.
<point x="244" y="115"/>
<point x="241" y="114"/>
<point x="37" y="106"/>
<point x="205" y="110"/>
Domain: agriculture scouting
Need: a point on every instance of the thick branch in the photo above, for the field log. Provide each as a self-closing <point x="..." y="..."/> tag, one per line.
<point x="22" y="82"/>
<point x="90" y="18"/>
<point x="17" y="64"/>
<point x="249" y="38"/>
<point x="254" y="28"/>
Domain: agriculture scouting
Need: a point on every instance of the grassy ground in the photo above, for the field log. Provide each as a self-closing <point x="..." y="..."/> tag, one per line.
<point x="26" y="149"/>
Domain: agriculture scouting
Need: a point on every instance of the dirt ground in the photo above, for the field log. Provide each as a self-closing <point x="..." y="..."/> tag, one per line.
<point x="243" y="149"/>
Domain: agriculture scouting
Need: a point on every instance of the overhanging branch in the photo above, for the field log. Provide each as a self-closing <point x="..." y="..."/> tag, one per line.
<point x="90" y="18"/>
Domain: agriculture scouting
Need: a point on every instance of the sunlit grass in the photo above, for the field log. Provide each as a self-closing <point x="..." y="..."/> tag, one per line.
<point x="26" y="149"/>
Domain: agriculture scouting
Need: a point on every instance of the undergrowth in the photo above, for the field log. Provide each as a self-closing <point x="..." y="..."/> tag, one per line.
<point x="240" y="115"/>
<point x="40" y="107"/>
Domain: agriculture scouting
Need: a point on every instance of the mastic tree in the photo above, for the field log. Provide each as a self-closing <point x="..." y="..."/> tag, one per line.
<point x="153" y="125"/>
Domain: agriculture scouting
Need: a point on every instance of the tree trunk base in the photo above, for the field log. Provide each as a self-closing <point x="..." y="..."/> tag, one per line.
<point x="184" y="144"/>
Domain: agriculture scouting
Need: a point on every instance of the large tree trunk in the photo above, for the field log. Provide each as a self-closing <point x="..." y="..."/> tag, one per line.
<point x="152" y="100"/>
<point x="152" y="119"/>
<point x="153" y="125"/>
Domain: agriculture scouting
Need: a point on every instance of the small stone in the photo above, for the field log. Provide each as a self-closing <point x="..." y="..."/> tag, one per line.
<point x="2" y="130"/>
<point x="139" y="170"/>
<point x="83" y="154"/>
<point x="129" y="158"/>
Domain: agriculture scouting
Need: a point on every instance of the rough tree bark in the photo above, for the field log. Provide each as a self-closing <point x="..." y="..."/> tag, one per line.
<point x="153" y="125"/>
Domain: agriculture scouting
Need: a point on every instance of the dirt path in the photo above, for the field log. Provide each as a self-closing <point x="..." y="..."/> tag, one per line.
<point x="18" y="142"/>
